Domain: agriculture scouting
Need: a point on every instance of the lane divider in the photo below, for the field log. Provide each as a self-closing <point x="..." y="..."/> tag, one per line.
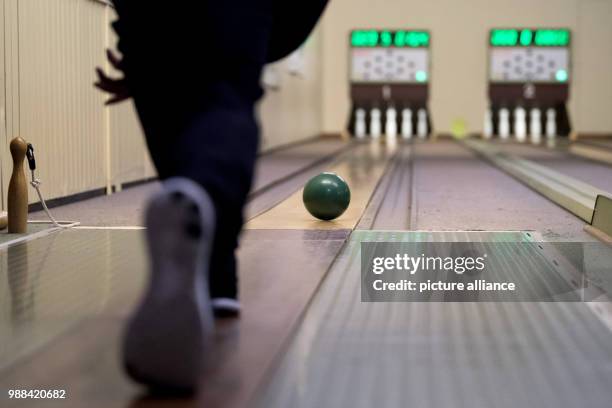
<point x="598" y="153"/>
<point x="574" y="195"/>
<point x="601" y="226"/>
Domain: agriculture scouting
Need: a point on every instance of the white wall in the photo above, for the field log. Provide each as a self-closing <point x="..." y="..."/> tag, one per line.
<point x="293" y="111"/>
<point x="50" y="51"/>
<point x="592" y="91"/>
<point x="459" y="52"/>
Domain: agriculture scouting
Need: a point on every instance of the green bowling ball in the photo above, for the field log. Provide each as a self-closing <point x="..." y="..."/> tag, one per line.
<point x="326" y="196"/>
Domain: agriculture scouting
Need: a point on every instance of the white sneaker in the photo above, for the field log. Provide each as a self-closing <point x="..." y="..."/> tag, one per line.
<point x="167" y="336"/>
<point x="225" y="307"/>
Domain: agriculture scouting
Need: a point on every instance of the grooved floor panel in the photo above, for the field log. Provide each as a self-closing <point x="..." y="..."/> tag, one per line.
<point x="390" y="205"/>
<point x="477" y="355"/>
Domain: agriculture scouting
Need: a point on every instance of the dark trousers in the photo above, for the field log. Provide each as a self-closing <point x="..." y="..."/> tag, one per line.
<point x="193" y="70"/>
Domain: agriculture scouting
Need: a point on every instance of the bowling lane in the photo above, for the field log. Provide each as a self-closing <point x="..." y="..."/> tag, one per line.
<point x="596" y="174"/>
<point x="277" y="169"/>
<point x="270" y="195"/>
<point x="285" y="162"/>
<point x="455" y="190"/>
<point x="350" y="353"/>
<point x="362" y="168"/>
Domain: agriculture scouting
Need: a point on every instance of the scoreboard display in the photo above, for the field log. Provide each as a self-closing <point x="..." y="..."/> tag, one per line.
<point x="530" y="38"/>
<point x="390" y="56"/>
<point x="529" y="56"/>
<point x="389" y="39"/>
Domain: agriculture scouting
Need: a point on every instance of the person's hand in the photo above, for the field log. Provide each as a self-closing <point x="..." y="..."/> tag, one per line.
<point x="117" y="88"/>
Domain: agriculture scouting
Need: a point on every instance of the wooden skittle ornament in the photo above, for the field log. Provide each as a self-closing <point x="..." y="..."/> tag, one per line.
<point x="18" y="189"/>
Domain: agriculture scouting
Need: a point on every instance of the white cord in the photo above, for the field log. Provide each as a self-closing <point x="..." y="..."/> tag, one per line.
<point x="36" y="184"/>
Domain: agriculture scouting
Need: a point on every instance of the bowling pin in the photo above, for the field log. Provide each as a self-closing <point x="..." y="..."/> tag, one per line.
<point x="487" y="131"/>
<point x="535" y="126"/>
<point x="422" y="123"/>
<point x="520" y="124"/>
<point x="504" y="124"/>
<point x="360" y="123"/>
<point x="375" y="124"/>
<point x="406" y="123"/>
<point x="551" y="123"/>
<point x="18" y="189"/>
<point x="391" y="123"/>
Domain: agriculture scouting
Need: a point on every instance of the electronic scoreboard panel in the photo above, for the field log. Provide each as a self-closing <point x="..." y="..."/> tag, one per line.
<point x="385" y="56"/>
<point x="529" y="55"/>
<point x="529" y="79"/>
<point x="389" y="75"/>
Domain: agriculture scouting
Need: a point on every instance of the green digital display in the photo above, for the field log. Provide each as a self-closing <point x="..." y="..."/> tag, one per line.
<point x="530" y="37"/>
<point x="388" y="39"/>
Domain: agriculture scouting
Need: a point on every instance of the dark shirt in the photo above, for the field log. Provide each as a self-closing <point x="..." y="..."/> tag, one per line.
<point x="292" y="22"/>
<point x="207" y="51"/>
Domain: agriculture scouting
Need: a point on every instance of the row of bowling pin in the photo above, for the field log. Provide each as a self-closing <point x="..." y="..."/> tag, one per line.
<point x="520" y="124"/>
<point x="391" y="128"/>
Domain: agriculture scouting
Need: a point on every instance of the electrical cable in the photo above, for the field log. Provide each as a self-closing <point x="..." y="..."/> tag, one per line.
<point x="36" y="184"/>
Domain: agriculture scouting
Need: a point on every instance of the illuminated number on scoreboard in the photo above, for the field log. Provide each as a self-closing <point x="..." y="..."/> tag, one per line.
<point x="387" y="39"/>
<point x="530" y="38"/>
<point x="504" y="38"/>
<point x="526" y="38"/>
<point x="559" y="38"/>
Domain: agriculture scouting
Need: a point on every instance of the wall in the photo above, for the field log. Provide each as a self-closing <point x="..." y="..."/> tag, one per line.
<point x="459" y="52"/>
<point x="48" y="52"/>
<point x="51" y="48"/>
<point x="58" y="44"/>
<point x="129" y="158"/>
<point x="293" y="111"/>
<point x="593" y="66"/>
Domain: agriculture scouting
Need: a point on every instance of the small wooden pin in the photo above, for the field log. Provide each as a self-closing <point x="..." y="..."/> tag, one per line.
<point x="18" y="189"/>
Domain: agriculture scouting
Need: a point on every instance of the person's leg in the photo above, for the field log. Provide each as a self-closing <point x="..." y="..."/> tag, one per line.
<point x="197" y="111"/>
<point x="195" y="79"/>
<point x="217" y="150"/>
<point x="192" y="228"/>
<point x="224" y="166"/>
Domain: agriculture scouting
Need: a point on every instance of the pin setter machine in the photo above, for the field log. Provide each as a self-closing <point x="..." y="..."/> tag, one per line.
<point x="389" y="76"/>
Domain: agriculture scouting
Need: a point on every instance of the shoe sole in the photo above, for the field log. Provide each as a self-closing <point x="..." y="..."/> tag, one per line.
<point x="225" y="307"/>
<point x="167" y="336"/>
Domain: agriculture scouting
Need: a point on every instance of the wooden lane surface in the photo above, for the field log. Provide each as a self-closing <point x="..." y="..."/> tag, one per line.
<point x="280" y="272"/>
<point x="362" y="169"/>
<point x="273" y="166"/>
